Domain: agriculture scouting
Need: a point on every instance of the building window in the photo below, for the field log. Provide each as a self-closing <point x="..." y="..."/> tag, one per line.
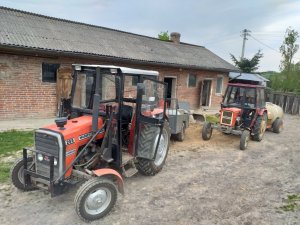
<point x="49" y="72"/>
<point x="135" y="80"/>
<point x="191" y="80"/>
<point x="219" y="85"/>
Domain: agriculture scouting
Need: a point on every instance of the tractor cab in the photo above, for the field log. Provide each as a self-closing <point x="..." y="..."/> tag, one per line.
<point x="241" y="103"/>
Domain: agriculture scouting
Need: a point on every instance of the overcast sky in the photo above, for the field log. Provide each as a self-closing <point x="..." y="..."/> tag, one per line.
<point x="215" y="24"/>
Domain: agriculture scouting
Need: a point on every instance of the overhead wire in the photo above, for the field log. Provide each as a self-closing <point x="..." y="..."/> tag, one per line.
<point x="268" y="46"/>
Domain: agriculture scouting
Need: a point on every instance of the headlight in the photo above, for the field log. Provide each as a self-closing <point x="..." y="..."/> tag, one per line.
<point x="40" y="157"/>
<point x="55" y="162"/>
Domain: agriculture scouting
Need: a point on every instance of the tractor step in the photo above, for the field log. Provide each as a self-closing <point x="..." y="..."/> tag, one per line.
<point x="128" y="165"/>
<point x="126" y="158"/>
<point x="129" y="172"/>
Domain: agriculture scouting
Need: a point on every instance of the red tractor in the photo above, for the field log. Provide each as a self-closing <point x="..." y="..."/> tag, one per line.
<point x="115" y="126"/>
<point x="244" y="112"/>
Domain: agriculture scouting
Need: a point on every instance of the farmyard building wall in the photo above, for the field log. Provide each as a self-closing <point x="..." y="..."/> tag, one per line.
<point x="23" y="94"/>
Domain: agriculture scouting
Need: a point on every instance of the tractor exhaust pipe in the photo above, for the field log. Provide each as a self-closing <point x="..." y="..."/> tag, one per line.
<point x="96" y="101"/>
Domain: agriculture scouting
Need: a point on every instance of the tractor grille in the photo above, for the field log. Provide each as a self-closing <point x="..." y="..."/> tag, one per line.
<point x="227" y="117"/>
<point x="47" y="143"/>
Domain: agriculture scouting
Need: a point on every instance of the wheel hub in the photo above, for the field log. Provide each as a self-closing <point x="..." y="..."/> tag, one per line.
<point x="97" y="201"/>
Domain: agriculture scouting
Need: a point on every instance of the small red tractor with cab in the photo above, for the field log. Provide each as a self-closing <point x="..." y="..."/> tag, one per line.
<point x="244" y="112"/>
<point x="112" y="129"/>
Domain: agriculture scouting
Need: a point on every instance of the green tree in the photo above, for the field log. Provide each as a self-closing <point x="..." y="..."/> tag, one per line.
<point x="288" y="49"/>
<point x="164" y="36"/>
<point x="248" y="65"/>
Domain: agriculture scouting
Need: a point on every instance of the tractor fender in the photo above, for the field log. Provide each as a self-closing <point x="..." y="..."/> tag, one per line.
<point x="107" y="171"/>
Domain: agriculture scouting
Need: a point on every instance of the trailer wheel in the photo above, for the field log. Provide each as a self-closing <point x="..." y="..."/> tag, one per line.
<point x="180" y="136"/>
<point x="259" y="127"/>
<point x="206" y="131"/>
<point x="95" y="198"/>
<point x="17" y="174"/>
<point x="277" y="126"/>
<point x="150" y="167"/>
<point x="244" y="139"/>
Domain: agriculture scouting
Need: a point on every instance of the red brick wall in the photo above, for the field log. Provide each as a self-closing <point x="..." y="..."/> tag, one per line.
<point x="24" y="95"/>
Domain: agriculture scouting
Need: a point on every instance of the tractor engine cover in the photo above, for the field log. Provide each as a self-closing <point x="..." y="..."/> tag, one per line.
<point x="228" y="116"/>
<point x="77" y="132"/>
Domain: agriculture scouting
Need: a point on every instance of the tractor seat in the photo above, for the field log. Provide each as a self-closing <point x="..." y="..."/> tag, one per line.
<point x="126" y="114"/>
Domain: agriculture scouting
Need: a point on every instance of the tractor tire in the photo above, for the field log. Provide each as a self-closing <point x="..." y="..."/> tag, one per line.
<point x="206" y="131"/>
<point x="259" y="127"/>
<point x="277" y="126"/>
<point x="95" y="199"/>
<point x="17" y="174"/>
<point x="244" y="139"/>
<point x="180" y="136"/>
<point x="150" y="167"/>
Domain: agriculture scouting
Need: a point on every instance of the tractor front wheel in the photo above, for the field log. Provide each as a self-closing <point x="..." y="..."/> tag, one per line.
<point x="95" y="199"/>
<point x="277" y="126"/>
<point x="150" y="167"/>
<point x="17" y="174"/>
<point x="244" y="139"/>
<point x="206" y="131"/>
<point x="259" y="127"/>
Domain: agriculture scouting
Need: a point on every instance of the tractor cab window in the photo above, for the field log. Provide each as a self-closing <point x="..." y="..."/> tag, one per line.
<point x="250" y="100"/>
<point x="153" y="99"/>
<point x="85" y="89"/>
<point x="240" y="97"/>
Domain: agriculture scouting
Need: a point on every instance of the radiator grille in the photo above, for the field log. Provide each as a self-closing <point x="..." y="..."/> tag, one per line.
<point x="226" y="117"/>
<point x="48" y="144"/>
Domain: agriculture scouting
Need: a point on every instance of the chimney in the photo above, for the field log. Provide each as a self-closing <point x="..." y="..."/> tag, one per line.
<point x="175" y="37"/>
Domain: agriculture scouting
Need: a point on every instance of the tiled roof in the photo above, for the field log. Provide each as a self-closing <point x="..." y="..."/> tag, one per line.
<point x="33" y="31"/>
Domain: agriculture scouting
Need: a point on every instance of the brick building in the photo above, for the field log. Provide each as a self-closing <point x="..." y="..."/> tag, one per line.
<point x="36" y="54"/>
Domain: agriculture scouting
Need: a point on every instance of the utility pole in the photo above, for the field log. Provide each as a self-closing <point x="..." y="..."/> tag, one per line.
<point x="245" y="34"/>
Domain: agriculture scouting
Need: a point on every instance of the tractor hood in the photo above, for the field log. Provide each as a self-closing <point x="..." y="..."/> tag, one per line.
<point x="77" y="131"/>
<point x="234" y="110"/>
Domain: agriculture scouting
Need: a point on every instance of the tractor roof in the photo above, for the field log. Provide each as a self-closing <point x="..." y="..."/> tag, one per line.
<point x="245" y="85"/>
<point x="123" y="69"/>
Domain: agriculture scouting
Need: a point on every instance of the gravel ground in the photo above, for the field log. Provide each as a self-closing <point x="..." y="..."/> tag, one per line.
<point x="210" y="182"/>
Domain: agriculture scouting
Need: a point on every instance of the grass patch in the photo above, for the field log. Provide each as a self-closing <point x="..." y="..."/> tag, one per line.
<point x="212" y="119"/>
<point x="4" y="171"/>
<point x="12" y="141"/>
<point x="291" y="203"/>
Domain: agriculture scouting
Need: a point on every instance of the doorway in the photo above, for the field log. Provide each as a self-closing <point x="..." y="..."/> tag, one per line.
<point x="205" y="92"/>
<point x="171" y="91"/>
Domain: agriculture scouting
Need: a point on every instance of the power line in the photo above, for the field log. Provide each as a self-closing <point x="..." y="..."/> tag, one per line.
<point x="268" y="46"/>
<point x="265" y="44"/>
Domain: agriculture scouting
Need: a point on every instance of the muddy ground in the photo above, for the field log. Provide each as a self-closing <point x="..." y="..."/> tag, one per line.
<point x="202" y="183"/>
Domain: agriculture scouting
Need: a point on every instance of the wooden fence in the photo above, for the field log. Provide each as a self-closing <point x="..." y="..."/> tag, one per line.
<point x="288" y="101"/>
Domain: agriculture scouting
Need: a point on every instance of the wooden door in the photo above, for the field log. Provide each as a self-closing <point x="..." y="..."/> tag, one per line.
<point x="63" y="85"/>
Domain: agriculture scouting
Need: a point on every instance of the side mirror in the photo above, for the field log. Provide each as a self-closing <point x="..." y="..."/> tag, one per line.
<point x="140" y="89"/>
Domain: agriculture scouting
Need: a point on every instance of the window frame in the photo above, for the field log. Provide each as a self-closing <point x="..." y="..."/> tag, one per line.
<point x="45" y="69"/>
<point x="222" y="84"/>
<point x="188" y="81"/>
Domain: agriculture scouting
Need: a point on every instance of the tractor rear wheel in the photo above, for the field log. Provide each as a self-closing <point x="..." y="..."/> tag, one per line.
<point x="17" y="174"/>
<point x="277" y="126"/>
<point x="180" y="136"/>
<point x="150" y="167"/>
<point x="244" y="139"/>
<point x="206" y="131"/>
<point x="95" y="199"/>
<point x="259" y="127"/>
